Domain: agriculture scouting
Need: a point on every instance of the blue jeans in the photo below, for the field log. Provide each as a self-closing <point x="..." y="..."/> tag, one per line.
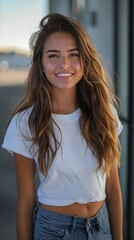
<point x="49" y="225"/>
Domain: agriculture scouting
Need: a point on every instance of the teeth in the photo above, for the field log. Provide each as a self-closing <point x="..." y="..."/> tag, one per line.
<point x="64" y="74"/>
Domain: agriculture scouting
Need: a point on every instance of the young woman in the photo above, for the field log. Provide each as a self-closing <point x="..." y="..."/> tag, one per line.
<point x="66" y="129"/>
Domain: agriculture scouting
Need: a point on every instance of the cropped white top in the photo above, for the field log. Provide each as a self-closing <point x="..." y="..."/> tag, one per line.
<point x="72" y="176"/>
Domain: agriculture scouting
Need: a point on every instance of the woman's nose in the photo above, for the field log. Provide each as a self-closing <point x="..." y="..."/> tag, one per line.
<point x="65" y="62"/>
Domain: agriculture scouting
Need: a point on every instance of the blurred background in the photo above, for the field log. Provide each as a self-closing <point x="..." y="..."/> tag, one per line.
<point x="110" y="23"/>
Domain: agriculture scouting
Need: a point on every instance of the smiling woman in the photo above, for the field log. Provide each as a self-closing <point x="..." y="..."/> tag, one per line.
<point x="66" y="126"/>
<point x="61" y="61"/>
<point x="62" y="68"/>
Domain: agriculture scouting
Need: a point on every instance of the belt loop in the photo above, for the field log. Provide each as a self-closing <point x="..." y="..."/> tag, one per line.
<point x="34" y="213"/>
<point x="73" y="225"/>
<point x="98" y="223"/>
<point x="93" y="222"/>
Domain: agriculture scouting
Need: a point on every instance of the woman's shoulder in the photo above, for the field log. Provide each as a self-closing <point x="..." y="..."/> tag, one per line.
<point x="22" y="116"/>
<point x="21" y="119"/>
<point x="18" y="135"/>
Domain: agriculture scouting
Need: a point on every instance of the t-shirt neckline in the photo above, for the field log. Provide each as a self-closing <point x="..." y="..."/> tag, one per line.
<point x="73" y="115"/>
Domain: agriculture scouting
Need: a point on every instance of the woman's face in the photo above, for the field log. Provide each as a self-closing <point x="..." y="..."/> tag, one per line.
<point x="61" y="61"/>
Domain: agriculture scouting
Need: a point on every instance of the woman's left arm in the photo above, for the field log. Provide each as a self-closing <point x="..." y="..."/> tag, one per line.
<point x="114" y="204"/>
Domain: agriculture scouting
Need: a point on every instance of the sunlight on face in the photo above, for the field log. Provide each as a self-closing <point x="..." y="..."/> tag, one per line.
<point x="61" y="61"/>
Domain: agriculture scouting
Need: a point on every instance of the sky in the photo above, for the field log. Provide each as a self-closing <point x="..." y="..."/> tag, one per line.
<point x="18" y="20"/>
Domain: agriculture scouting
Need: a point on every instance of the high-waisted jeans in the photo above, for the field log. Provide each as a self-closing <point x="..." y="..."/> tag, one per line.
<point x="49" y="225"/>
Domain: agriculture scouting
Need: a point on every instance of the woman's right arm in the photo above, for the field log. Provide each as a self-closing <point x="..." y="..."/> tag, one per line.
<point x="25" y="175"/>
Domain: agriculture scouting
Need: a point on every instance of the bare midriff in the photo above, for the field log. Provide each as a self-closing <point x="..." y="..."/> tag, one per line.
<point x="87" y="210"/>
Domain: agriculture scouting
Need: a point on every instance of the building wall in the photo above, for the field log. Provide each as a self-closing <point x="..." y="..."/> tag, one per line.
<point x="60" y="6"/>
<point x="125" y="88"/>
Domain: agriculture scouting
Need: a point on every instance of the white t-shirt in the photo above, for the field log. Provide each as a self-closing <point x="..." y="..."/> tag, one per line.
<point x="72" y="176"/>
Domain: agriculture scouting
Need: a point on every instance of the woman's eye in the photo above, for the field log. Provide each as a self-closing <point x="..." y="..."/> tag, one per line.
<point x="53" y="56"/>
<point x="73" y="55"/>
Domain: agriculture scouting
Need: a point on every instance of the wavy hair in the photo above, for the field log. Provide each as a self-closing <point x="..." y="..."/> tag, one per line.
<point x="94" y="98"/>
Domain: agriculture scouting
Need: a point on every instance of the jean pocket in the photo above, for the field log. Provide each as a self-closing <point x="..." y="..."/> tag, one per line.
<point x="51" y="232"/>
<point x="105" y="225"/>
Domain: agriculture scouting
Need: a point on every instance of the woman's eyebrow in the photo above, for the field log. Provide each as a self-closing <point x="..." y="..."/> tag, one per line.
<point x="73" y="49"/>
<point x="52" y="51"/>
<point x="57" y="51"/>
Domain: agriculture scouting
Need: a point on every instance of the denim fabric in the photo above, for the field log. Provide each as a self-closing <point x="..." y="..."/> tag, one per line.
<point x="49" y="225"/>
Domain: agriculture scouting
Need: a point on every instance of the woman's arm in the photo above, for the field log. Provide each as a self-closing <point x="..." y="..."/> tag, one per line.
<point x="25" y="174"/>
<point x="114" y="204"/>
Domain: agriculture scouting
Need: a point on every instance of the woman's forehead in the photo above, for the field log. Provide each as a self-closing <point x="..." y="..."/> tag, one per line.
<point x="59" y="40"/>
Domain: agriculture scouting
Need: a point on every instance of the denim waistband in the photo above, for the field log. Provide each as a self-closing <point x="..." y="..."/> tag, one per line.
<point x="97" y="227"/>
<point x="67" y="220"/>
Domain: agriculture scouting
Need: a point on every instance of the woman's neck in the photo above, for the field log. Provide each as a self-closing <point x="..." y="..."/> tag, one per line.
<point x="64" y="102"/>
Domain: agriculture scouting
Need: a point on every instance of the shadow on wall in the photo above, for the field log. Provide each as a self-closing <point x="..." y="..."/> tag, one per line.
<point x="9" y="96"/>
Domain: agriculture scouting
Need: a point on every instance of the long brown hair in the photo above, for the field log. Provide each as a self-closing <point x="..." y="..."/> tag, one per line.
<point x="94" y="98"/>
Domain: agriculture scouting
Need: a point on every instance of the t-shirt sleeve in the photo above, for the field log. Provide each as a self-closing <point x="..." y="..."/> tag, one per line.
<point x="119" y="126"/>
<point x="18" y="138"/>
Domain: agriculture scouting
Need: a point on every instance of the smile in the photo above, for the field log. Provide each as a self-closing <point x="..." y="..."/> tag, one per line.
<point x="64" y="74"/>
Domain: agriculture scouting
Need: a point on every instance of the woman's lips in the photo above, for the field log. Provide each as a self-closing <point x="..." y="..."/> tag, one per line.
<point x="64" y="74"/>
